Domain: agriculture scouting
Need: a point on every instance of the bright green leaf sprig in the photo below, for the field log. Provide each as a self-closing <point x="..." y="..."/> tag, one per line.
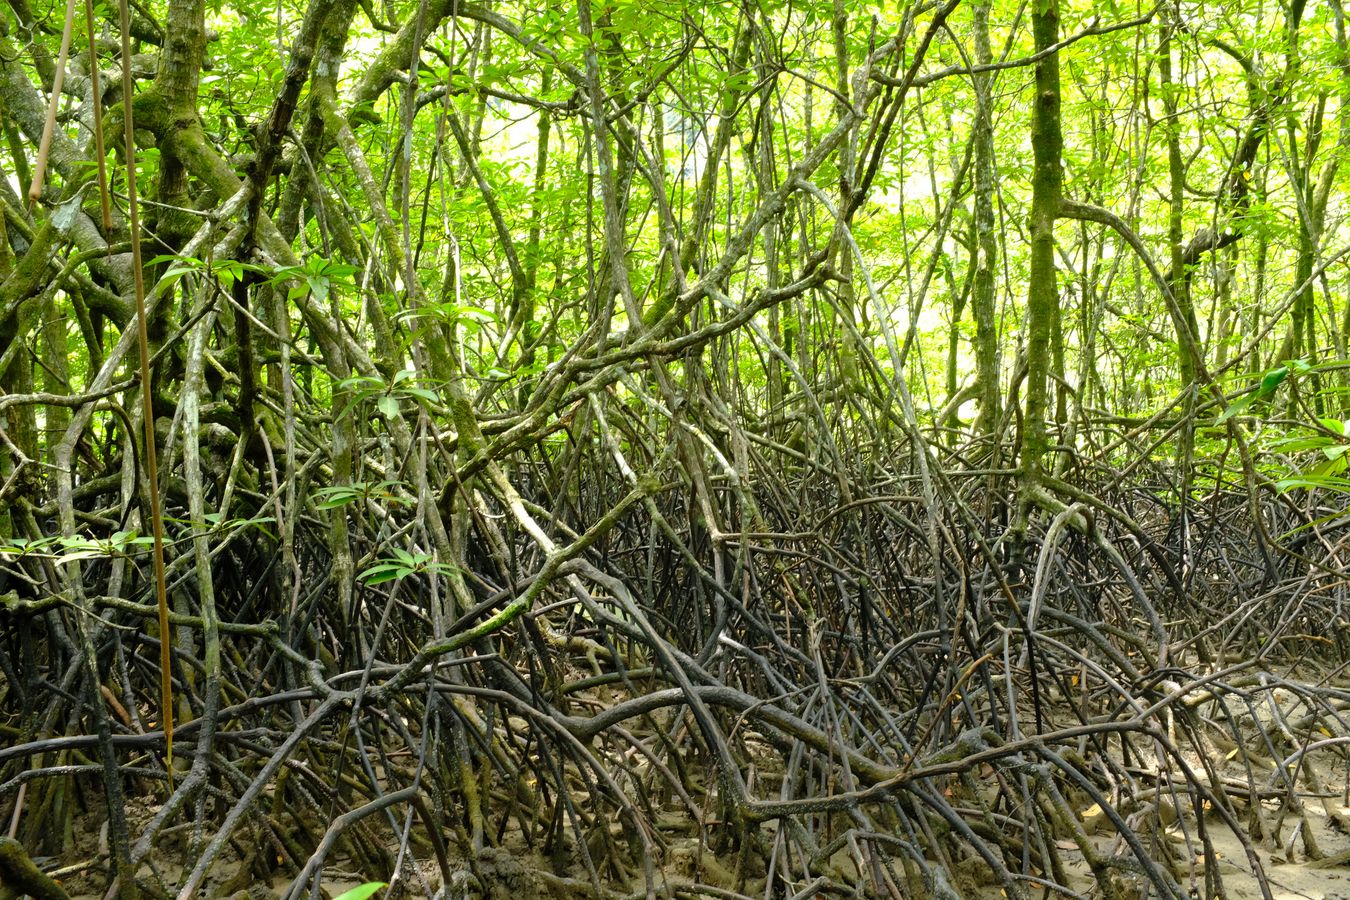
<point x="363" y="892"/>
<point x="63" y="550"/>
<point x="388" y="397"/>
<point x="1270" y="383"/>
<point x="315" y="276"/>
<point x="401" y="565"/>
<point x="341" y="495"/>
<point x="450" y="313"/>
<point x="1329" y="473"/>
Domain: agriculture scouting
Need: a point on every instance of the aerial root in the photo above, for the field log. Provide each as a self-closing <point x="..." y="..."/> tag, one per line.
<point x="907" y="709"/>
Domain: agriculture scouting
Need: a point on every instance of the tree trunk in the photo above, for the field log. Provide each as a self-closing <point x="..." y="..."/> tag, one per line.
<point x="984" y="261"/>
<point x="1042" y="313"/>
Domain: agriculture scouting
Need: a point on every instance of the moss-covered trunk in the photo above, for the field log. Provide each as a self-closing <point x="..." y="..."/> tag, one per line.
<point x="1047" y="141"/>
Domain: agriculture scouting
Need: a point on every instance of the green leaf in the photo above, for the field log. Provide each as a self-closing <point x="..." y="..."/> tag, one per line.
<point x="170" y="257"/>
<point x="383" y="572"/>
<point x="338" y="270"/>
<point x="1235" y="409"/>
<point x="93" y="553"/>
<point x="388" y="406"/>
<point x="1331" y="467"/>
<point x="362" y="892"/>
<point x="1272" y="380"/>
<point x="1293" y="445"/>
<point x="339" y="495"/>
<point x="1311" y="481"/>
<point x="423" y="393"/>
<point x="361" y="381"/>
<point x="476" y="314"/>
